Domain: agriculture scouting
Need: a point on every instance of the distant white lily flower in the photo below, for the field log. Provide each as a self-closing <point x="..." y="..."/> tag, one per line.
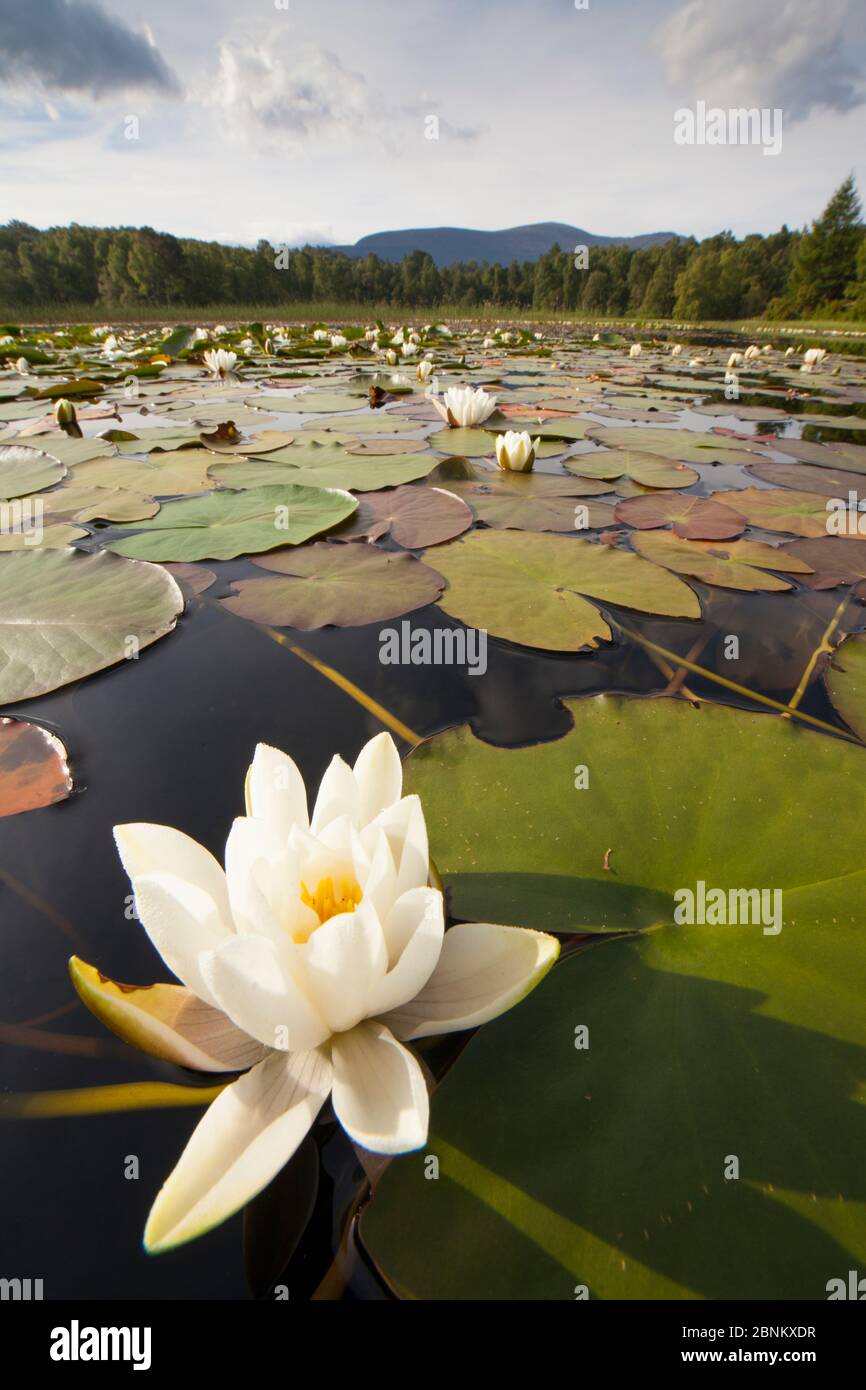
<point x="515" y="451"/>
<point x="698" y="362"/>
<point x="6" y="339"/>
<point x="751" y="353"/>
<point x="219" y="362"/>
<point x="111" y="344"/>
<point x="248" y="345"/>
<point x="734" y="360"/>
<point x="409" y="350"/>
<point x="372" y="335"/>
<point x="104" y="329"/>
<point x="321" y="335"/>
<point x="308" y="964"/>
<point x="400" y="379"/>
<point x="813" y="357"/>
<point x="635" y="350"/>
<point x="676" y="349"/>
<point x="789" y="352"/>
<point x="220" y="330"/>
<point x="423" y="370"/>
<point x="391" y="357"/>
<point x="397" y="340"/>
<point x="22" y="366"/>
<point x="538" y="337"/>
<point x="338" y="341"/>
<point x="463" y="407"/>
<point x="444" y="330"/>
<point x="489" y="343"/>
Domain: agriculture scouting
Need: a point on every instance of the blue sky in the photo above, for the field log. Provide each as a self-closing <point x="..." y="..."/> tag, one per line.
<point x="296" y="119"/>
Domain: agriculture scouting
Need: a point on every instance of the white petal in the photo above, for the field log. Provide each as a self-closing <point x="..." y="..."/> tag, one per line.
<point x="482" y="971"/>
<point x="379" y="775"/>
<point x="252" y="981"/>
<point x="275" y="790"/>
<point x="338" y="796"/>
<point x="413" y="934"/>
<point x="380" y="1096"/>
<point x="264" y="882"/>
<point x="345" y="960"/>
<point x="407" y="836"/>
<point x="182" y="921"/>
<point x="146" y="849"/>
<point x="246" y="1136"/>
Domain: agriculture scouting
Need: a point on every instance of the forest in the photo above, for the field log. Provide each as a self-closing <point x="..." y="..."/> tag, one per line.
<point x="816" y="272"/>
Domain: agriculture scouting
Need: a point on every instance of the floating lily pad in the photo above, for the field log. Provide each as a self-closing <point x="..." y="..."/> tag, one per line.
<point x="779" y="509"/>
<point x="828" y="482"/>
<point x="731" y="565"/>
<point x="161" y="439"/>
<point x="529" y="588"/>
<point x="34" y="535"/>
<point x="65" y="449"/>
<point x="24" y="470"/>
<point x="65" y="615"/>
<point x="34" y="768"/>
<point x="341" y="586"/>
<point x="414" y="516"/>
<point x="834" y="560"/>
<point x="685" y="445"/>
<point x="692" y="518"/>
<point x="223" y="525"/>
<point x="193" y="579"/>
<point x="851" y="457"/>
<point x="170" y="474"/>
<point x="846" y="683"/>
<point x="81" y="502"/>
<point x="316" y="464"/>
<point x="479" y="443"/>
<point x="647" y="469"/>
<point x="608" y="1165"/>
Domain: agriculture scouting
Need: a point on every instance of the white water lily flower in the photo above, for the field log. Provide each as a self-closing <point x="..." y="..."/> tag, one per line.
<point x="635" y="350"/>
<point x="22" y="366"/>
<point x="676" y="349"/>
<point x="424" y="368"/>
<point x="320" y="335"/>
<point x="219" y="362"/>
<point x="409" y="349"/>
<point x="489" y="343"/>
<point x="317" y="953"/>
<point x="338" y="341"/>
<point x="698" y="362"/>
<point x="789" y="352"/>
<point x="391" y="357"/>
<point x="734" y="360"/>
<point x="751" y="352"/>
<point x="461" y="406"/>
<point x="515" y="451"/>
<point x="813" y="357"/>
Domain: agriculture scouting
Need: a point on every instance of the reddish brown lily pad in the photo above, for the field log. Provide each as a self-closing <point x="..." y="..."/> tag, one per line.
<point x="335" y="585"/>
<point x="692" y="518"/>
<point x="34" y="770"/>
<point x="416" y="517"/>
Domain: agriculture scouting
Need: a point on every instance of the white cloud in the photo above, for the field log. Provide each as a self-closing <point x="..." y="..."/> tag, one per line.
<point x="269" y="88"/>
<point x="788" y="54"/>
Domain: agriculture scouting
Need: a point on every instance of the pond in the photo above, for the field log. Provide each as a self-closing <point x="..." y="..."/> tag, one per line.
<point x="628" y="679"/>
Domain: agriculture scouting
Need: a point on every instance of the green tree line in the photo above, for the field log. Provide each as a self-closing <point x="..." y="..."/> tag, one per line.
<point x="819" y="271"/>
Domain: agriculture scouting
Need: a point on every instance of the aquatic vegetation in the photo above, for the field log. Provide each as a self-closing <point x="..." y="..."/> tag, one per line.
<point x="626" y="669"/>
<point x="324" y="942"/>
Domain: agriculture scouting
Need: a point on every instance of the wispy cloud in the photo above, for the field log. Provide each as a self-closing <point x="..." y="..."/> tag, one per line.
<point x="788" y="54"/>
<point x="73" y="47"/>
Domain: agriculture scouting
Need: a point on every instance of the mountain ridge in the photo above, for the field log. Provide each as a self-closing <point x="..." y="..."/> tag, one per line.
<point x="529" y="242"/>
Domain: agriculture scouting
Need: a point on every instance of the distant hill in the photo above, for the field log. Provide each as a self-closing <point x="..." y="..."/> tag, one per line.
<point x="449" y="244"/>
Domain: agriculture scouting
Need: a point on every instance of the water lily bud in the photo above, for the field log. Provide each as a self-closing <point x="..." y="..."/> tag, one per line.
<point x="515" y="451"/>
<point x="391" y="357"/>
<point x="64" y="412"/>
<point x="423" y="370"/>
<point x="634" y="350"/>
<point x="22" y="366"/>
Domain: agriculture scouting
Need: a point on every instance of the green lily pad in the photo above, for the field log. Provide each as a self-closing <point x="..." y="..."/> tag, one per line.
<point x="340" y="586"/>
<point x="851" y="457"/>
<point x="779" y="509"/>
<point x="846" y="683"/>
<point x="223" y="525"/>
<point x="728" y="564"/>
<point x="171" y="474"/>
<point x="64" y="448"/>
<point x="53" y="536"/>
<point x="645" y="468"/>
<point x="688" y="446"/>
<point x="608" y="1166"/>
<point x="529" y="588"/>
<point x="65" y="615"/>
<point x="24" y="470"/>
<point x="316" y="464"/>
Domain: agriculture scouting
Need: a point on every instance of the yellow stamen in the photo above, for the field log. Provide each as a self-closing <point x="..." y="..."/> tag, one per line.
<point x="326" y="902"/>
